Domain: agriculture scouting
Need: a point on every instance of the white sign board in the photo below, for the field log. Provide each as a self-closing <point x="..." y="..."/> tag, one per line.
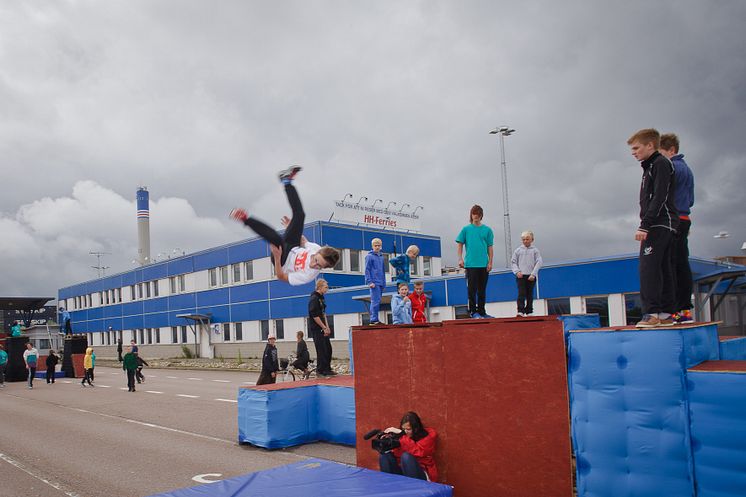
<point x="376" y="217"/>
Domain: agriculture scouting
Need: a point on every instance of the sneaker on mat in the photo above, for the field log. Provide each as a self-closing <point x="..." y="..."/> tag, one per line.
<point x="684" y="316"/>
<point x="475" y="315"/>
<point x="666" y="321"/>
<point x="484" y="315"/>
<point x="649" y="321"/>
<point x="289" y="173"/>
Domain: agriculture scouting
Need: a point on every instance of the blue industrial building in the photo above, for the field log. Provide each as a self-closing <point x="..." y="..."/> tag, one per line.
<point x="226" y="299"/>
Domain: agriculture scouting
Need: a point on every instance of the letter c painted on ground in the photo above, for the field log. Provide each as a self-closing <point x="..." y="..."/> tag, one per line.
<point x="203" y="478"/>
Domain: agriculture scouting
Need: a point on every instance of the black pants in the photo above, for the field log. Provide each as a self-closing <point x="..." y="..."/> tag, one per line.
<point x="50" y="374"/>
<point x="525" y="294"/>
<point x="323" y="346"/>
<point x="88" y="376"/>
<point x="131" y="380"/>
<point x="656" y="275"/>
<point x="476" y="284"/>
<point x="682" y="272"/>
<point x="119" y="354"/>
<point x="266" y="378"/>
<point x="138" y="374"/>
<point x="293" y="232"/>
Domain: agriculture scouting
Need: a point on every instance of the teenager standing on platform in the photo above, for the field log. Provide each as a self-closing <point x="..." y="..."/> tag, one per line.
<point x="375" y="278"/>
<point x="318" y="328"/>
<point x="477" y="239"/>
<point x="526" y="262"/>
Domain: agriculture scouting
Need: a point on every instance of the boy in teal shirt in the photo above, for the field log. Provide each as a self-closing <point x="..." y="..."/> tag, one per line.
<point x="3" y="365"/>
<point x="478" y="239"/>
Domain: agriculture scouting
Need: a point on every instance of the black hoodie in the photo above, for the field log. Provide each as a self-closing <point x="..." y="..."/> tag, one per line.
<point x="657" y="208"/>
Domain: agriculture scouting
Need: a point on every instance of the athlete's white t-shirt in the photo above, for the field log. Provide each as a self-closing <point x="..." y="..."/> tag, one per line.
<point x="298" y="264"/>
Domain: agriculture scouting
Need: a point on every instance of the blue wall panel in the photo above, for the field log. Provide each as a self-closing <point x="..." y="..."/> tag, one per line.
<point x="132" y="322"/>
<point x="733" y="349"/>
<point x="155" y="271"/>
<point x="181" y="266"/>
<point x="336" y="280"/>
<point x="183" y="301"/>
<point x="428" y="247"/>
<point x="113" y="323"/>
<point x="219" y="313"/>
<point x="289" y="307"/>
<point x="131" y="277"/>
<point x="248" y="250"/>
<point x="157" y="320"/>
<point x="132" y="308"/>
<point x="112" y="311"/>
<point x="250" y="312"/>
<point x="176" y="321"/>
<point x="155" y="305"/>
<point x="599" y="278"/>
<point x="279" y="289"/>
<point x="212" y="297"/>
<point x="95" y="313"/>
<point x="247" y="293"/>
<point x="212" y="258"/>
<point x="340" y="237"/>
<point x="717" y="412"/>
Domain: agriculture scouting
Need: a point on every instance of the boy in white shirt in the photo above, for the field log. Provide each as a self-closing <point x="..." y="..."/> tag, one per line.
<point x="296" y="260"/>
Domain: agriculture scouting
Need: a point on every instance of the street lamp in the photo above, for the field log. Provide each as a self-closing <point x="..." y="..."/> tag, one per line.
<point x="504" y="131"/>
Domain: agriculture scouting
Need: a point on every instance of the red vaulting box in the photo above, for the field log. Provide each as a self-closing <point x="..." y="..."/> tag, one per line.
<point x="495" y="390"/>
<point x="78" y="365"/>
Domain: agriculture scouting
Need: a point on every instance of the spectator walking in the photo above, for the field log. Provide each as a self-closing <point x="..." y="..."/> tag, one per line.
<point x="88" y="367"/>
<point x="477" y="239"/>
<point x="270" y="363"/>
<point x="30" y="358"/>
<point x="526" y="262"/>
<point x="140" y="363"/>
<point x="51" y="364"/>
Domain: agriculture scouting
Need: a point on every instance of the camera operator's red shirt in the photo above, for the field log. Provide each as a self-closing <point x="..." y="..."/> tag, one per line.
<point x="423" y="450"/>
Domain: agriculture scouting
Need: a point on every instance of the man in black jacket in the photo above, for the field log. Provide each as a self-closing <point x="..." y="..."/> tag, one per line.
<point x="270" y="363"/>
<point x="302" y="357"/>
<point x="318" y="328"/>
<point x="658" y="223"/>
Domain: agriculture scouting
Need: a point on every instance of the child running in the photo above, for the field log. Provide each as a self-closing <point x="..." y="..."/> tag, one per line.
<point x="296" y="260"/>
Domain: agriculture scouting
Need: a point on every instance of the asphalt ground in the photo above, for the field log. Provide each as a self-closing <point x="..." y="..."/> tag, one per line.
<point x="67" y="440"/>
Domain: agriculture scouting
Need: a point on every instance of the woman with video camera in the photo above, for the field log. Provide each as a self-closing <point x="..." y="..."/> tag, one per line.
<point x="415" y="456"/>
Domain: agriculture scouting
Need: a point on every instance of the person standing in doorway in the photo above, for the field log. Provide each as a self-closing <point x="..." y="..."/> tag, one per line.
<point x="318" y="328"/>
<point x="30" y="358"/>
<point x="683" y="195"/>
<point x="477" y="239"/>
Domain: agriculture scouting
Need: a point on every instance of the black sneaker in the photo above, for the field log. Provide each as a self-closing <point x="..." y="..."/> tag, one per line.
<point x="289" y="173"/>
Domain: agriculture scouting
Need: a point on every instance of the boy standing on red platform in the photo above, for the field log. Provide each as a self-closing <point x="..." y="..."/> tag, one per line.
<point x="419" y="301"/>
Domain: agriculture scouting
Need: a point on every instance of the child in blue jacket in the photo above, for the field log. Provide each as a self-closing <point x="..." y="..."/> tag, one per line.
<point x="401" y="263"/>
<point x="375" y="278"/>
<point x="401" y="306"/>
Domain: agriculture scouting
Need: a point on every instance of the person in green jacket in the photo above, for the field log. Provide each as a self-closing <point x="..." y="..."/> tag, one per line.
<point x="15" y="330"/>
<point x="129" y="364"/>
<point x="3" y="365"/>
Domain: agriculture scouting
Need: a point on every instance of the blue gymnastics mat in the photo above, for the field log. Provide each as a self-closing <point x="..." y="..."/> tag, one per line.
<point x="316" y="478"/>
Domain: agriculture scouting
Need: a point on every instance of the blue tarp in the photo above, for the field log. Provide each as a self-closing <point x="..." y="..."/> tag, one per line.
<point x="629" y="410"/>
<point x="717" y="413"/>
<point x="316" y="478"/>
<point x="283" y="418"/>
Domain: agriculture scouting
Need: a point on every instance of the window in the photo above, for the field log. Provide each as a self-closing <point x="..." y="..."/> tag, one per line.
<point x="119" y="294"/>
<point x="355" y="261"/>
<point x="600" y="306"/>
<point x="155" y="288"/>
<point x="427" y="266"/>
<point x="226" y="332"/>
<point x="264" y="327"/>
<point x="147" y="289"/>
<point x="157" y="335"/>
<point x="236" y="273"/>
<point x="558" y="306"/>
<point x="279" y="329"/>
<point x="340" y="264"/>
<point x="150" y="335"/>
<point x="386" y="267"/>
<point x="213" y="276"/>
<point x="133" y="296"/>
<point x="182" y="283"/>
<point x="239" y="332"/>
<point x="43" y="343"/>
<point x="224" y="275"/>
<point x="633" y="308"/>
<point x="413" y="266"/>
<point x="248" y="268"/>
<point x="139" y="291"/>
<point x="183" y="334"/>
<point x="172" y="284"/>
<point x="142" y="336"/>
<point x="330" y="320"/>
<point x="174" y="334"/>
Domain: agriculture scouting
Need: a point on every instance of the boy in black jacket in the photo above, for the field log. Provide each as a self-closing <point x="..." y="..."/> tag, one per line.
<point x="302" y="357"/>
<point x="270" y="363"/>
<point x="52" y="361"/>
<point x="658" y="223"/>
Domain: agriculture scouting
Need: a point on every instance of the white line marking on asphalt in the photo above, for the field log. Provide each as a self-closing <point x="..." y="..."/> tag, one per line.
<point x="222" y="381"/>
<point x="227" y="400"/>
<point x="152" y="391"/>
<point x="114" y="373"/>
<point x="104" y="386"/>
<point x="187" y="396"/>
<point x="197" y="379"/>
<point x="123" y="388"/>
<point x="173" y="377"/>
<point x="203" y="478"/>
<point x="52" y="484"/>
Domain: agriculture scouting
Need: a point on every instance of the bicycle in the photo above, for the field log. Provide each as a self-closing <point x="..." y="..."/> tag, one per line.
<point x="291" y="373"/>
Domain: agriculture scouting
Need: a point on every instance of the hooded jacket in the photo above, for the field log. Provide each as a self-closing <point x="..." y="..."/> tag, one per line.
<point x="684" y="190"/>
<point x="374" y="269"/>
<point x="88" y="359"/>
<point x="401" y="309"/>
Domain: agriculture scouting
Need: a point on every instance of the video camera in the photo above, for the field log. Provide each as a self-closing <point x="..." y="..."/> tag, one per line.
<point x="383" y="442"/>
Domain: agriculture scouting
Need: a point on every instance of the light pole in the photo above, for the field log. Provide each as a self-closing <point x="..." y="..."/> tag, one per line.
<point x="504" y="131"/>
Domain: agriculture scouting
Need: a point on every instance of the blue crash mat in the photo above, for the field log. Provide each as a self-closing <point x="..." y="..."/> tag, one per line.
<point x="316" y="478"/>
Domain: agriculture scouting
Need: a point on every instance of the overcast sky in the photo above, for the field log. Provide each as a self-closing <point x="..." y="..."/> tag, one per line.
<point x="203" y="102"/>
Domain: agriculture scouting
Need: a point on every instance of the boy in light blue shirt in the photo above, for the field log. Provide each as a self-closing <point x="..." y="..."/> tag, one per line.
<point x="401" y="306"/>
<point x="477" y="238"/>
